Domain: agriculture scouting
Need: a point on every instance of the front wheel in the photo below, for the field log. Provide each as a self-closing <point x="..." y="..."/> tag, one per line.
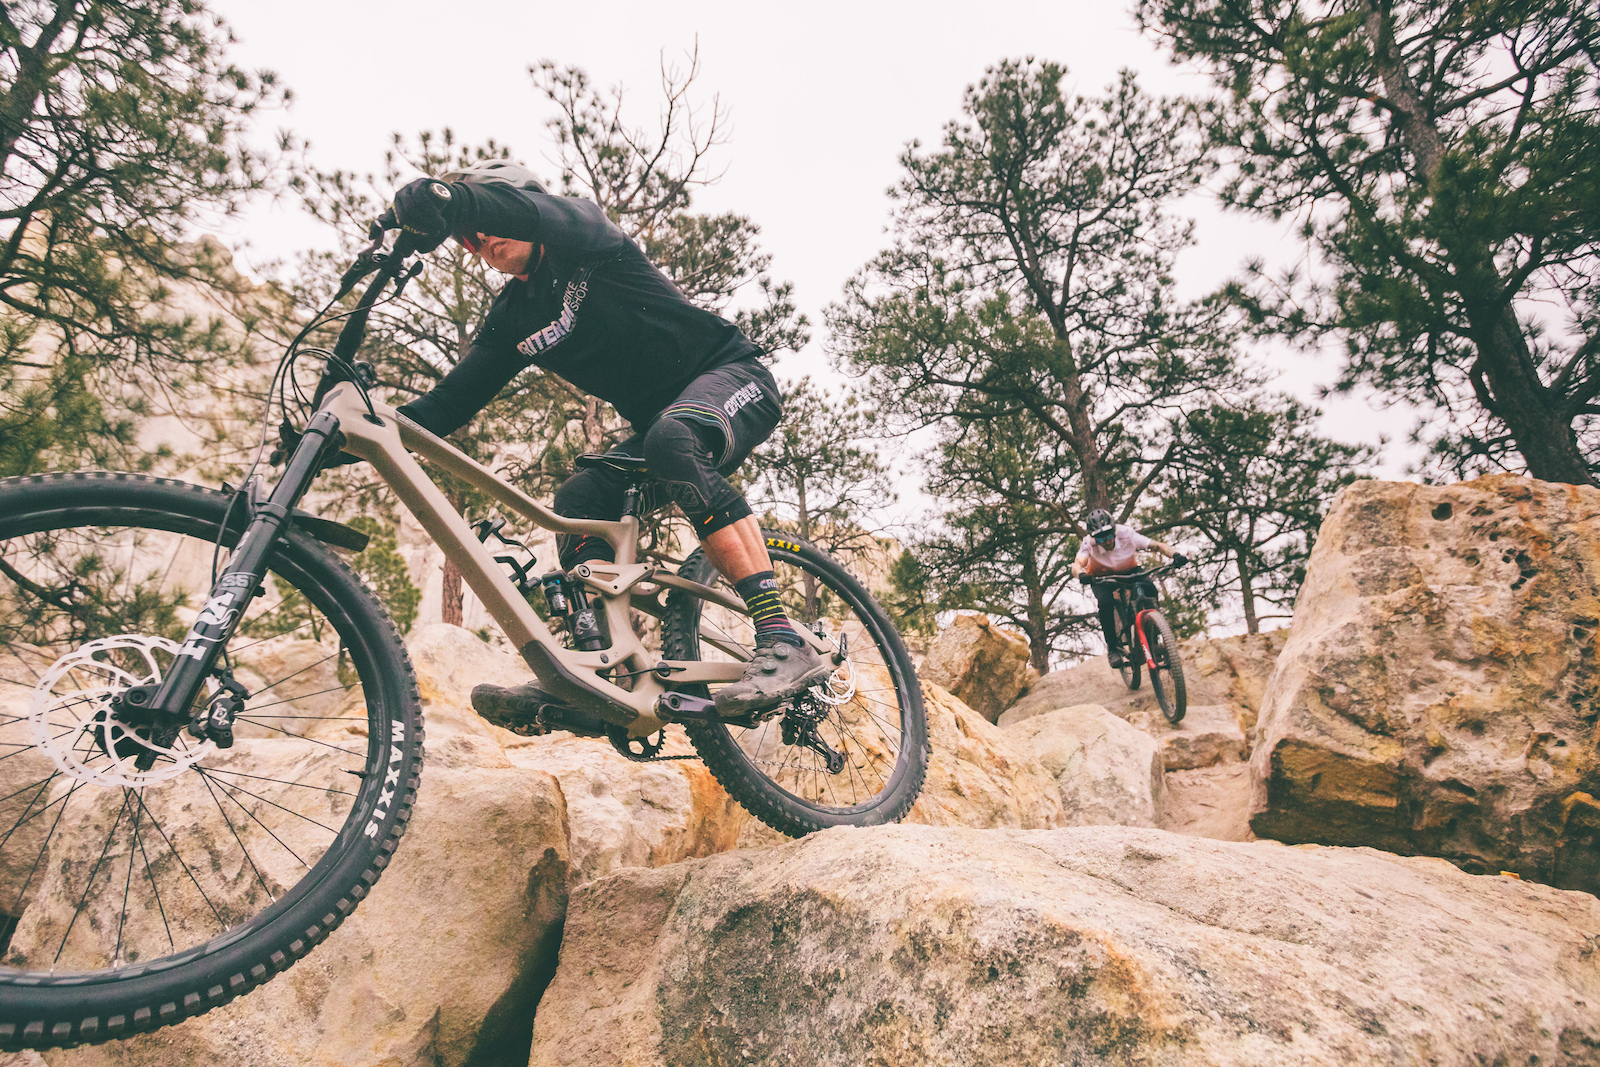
<point x="850" y="752"/>
<point x="1166" y="676"/>
<point x="146" y="876"/>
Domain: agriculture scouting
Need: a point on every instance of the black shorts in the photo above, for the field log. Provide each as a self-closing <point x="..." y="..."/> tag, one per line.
<point x="691" y="447"/>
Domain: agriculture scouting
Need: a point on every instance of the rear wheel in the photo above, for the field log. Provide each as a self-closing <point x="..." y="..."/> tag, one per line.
<point x="1132" y="664"/>
<point x="146" y="877"/>
<point x="1166" y="677"/>
<point x="850" y="752"/>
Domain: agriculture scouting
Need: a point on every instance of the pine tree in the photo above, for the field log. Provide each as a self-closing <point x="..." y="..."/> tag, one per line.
<point x="121" y="125"/>
<point x="1444" y="157"/>
<point x="1253" y="481"/>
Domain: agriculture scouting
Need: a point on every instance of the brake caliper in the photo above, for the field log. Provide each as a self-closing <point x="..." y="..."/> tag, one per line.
<point x="215" y="720"/>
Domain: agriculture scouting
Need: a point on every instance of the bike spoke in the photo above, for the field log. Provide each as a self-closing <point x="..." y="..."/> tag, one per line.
<point x="174" y="850"/>
<point x="89" y="883"/>
<point x="302" y="737"/>
<point x="233" y="785"/>
<point x="154" y="890"/>
<point x="235" y="831"/>
<point x="304" y="696"/>
<point x="122" y="917"/>
<point x="297" y="673"/>
<point x="225" y="792"/>
<point x="281" y="781"/>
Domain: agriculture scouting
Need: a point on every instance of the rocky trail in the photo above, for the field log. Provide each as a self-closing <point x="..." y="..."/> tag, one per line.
<point x="1374" y="839"/>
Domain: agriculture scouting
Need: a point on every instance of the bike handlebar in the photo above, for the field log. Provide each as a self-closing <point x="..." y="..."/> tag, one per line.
<point x="1125" y="577"/>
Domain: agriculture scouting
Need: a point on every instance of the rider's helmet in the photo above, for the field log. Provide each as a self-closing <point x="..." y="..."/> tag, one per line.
<point x="1102" y="527"/>
<point x="496" y="172"/>
<point x="492" y="172"/>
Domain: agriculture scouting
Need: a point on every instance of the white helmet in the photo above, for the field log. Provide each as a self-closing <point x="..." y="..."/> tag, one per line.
<point x="496" y="172"/>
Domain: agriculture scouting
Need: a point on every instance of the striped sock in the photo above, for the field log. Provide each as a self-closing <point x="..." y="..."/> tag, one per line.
<point x="760" y="594"/>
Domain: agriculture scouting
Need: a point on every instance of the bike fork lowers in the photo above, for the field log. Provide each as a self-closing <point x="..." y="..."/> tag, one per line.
<point x="1144" y="640"/>
<point x="242" y="577"/>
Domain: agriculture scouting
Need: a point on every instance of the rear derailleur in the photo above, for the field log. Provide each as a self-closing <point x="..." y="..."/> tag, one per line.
<point x="800" y="724"/>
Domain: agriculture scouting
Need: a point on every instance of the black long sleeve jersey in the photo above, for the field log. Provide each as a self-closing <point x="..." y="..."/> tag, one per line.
<point x="595" y="311"/>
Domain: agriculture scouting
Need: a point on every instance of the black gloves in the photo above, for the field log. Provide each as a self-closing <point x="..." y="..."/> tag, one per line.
<point x="424" y="210"/>
<point x="1179" y="559"/>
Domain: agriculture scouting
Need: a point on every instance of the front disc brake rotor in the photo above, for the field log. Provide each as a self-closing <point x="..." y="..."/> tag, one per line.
<point x="75" y="723"/>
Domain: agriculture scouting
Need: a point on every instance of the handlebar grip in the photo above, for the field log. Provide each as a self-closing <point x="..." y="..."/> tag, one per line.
<point x="404" y="245"/>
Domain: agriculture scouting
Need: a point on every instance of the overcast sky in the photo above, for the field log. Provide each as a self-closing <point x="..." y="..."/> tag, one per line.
<point x="822" y="97"/>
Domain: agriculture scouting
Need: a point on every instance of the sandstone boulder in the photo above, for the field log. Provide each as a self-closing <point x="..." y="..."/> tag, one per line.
<point x="443" y="962"/>
<point x="1208" y="734"/>
<point x="1437" y="693"/>
<point x="627" y="814"/>
<point x="976" y="776"/>
<point x="1094" y="682"/>
<point x="980" y="664"/>
<point x="1228" y="672"/>
<point x="621" y="813"/>
<point x="1093" y="945"/>
<point x="1209" y="802"/>
<point x="1108" y="772"/>
<point x="1236" y="670"/>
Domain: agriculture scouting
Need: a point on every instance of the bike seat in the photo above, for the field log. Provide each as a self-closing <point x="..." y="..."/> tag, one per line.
<point x="617" y="461"/>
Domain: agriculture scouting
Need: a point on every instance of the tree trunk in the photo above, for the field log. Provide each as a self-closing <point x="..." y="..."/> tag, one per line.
<point x="1505" y="376"/>
<point x="1038" y="617"/>
<point x="1508" y="385"/>
<point x="450" y="604"/>
<point x="594" y="427"/>
<point x="1247" y="593"/>
<point x="450" y="587"/>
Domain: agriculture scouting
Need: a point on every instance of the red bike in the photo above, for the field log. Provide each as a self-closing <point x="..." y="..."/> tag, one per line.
<point x="1148" y="639"/>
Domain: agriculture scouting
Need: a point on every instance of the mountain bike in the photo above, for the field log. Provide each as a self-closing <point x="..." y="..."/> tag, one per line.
<point x="1147" y="639"/>
<point x="212" y="736"/>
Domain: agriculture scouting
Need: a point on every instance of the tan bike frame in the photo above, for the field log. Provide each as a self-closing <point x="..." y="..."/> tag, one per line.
<point x="387" y="439"/>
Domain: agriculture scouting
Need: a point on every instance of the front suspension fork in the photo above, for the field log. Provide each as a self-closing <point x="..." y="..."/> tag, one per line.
<point x="246" y="568"/>
<point x="1144" y="640"/>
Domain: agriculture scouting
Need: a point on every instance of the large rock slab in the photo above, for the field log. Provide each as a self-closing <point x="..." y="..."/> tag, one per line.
<point x="980" y="664"/>
<point x="1094" y="945"/>
<point x="1108" y="772"/>
<point x="1437" y="693"/>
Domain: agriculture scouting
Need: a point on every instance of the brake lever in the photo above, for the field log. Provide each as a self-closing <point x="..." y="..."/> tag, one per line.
<point x="368" y="260"/>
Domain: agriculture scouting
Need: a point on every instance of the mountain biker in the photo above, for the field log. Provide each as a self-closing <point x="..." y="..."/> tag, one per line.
<point x="1113" y="548"/>
<point x="584" y="303"/>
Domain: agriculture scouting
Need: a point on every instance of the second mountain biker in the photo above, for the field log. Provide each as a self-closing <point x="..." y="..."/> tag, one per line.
<point x="1113" y="548"/>
<point x="585" y="303"/>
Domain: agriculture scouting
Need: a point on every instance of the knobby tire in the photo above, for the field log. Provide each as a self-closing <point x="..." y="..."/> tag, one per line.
<point x="44" y="1008"/>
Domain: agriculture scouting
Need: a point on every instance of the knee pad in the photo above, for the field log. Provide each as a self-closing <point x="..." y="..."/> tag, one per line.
<point x="679" y="454"/>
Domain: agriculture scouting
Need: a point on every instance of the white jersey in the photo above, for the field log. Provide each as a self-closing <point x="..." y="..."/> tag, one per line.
<point x="1123" y="555"/>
